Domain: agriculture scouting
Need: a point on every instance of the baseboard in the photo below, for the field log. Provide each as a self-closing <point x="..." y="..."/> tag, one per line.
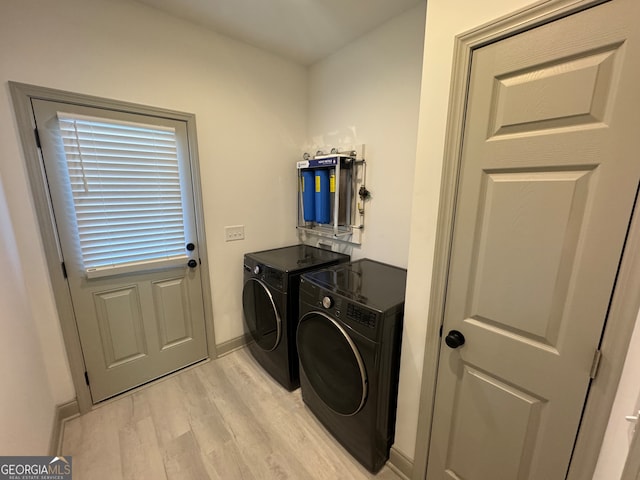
<point x="400" y="464"/>
<point x="231" y="345"/>
<point x="63" y="412"/>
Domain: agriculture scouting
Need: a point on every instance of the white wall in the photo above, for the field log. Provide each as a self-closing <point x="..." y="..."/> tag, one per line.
<point x="369" y="93"/>
<point x="26" y="404"/>
<point x="445" y="20"/>
<point x="250" y="111"/>
<point x="615" y="445"/>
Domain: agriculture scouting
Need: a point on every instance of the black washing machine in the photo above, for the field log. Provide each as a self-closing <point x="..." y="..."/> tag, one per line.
<point x="270" y="304"/>
<point x="349" y="339"/>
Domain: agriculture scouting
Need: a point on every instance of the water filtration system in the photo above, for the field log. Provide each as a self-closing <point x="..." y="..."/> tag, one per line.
<point x="332" y="193"/>
<point x="322" y="196"/>
<point x="308" y="195"/>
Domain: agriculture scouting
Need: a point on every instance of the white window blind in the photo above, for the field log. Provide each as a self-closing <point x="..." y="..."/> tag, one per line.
<point x="125" y="183"/>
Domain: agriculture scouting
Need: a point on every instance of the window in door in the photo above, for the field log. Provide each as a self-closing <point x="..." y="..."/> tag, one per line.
<point x="124" y="184"/>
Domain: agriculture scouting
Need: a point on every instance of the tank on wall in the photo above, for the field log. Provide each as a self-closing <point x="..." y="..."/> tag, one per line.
<point x="327" y="202"/>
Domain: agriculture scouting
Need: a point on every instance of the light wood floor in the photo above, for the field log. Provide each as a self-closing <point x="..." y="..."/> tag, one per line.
<point x="225" y="419"/>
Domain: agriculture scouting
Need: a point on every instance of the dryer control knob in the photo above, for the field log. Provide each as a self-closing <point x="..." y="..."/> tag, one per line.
<point x="257" y="269"/>
<point x="327" y="302"/>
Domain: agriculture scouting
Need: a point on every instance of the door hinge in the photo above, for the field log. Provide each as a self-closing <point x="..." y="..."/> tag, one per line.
<point x="37" y="135"/>
<point x="596" y="363"/>
<point x="64" y="270"/>
<point x="86" y="377"/>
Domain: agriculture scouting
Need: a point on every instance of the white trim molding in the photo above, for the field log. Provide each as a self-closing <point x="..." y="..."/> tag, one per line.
<point x="63" y="413"/>
<point x="400" y="464"/>
<point x="229" y="346"/>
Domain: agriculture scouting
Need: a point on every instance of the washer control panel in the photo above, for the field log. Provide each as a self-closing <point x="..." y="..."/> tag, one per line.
<point x="272" y="276"/>
<point x="327" y="302"/>
<point x="353" y="314"/>
<point x="361" y="315"/>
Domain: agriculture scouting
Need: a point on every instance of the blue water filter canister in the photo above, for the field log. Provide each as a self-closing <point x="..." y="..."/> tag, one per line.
<point x="323" y="197"/>
<point x="308" y="196"/>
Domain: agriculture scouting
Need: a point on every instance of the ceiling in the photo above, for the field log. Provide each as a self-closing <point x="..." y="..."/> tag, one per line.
<point x="304" y="31"/>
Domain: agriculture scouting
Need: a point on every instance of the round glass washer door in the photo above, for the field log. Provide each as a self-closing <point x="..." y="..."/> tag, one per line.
<point x="261" y="314"/>
<point x="332" y="363"/>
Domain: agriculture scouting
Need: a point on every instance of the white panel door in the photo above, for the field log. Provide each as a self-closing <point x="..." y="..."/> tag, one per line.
<point x="549" y="175"/>
<point x="140" y="315"/>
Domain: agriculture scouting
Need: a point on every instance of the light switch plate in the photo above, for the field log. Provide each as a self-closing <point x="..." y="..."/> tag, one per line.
<point x="233" y="232"/>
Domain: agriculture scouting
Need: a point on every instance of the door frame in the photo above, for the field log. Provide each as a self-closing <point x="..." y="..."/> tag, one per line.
<point x="626" y="297"/>
<point x="22" y="94"/>
<point x="631" y="469"/>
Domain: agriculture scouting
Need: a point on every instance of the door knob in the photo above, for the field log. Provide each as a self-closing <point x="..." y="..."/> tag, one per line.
<point x="454" y="339"/>
<point x="192" y="263"/>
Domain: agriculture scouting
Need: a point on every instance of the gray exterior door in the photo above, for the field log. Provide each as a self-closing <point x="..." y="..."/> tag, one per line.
<point x="548" y="180"/>
<point x="138" y="305"/>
